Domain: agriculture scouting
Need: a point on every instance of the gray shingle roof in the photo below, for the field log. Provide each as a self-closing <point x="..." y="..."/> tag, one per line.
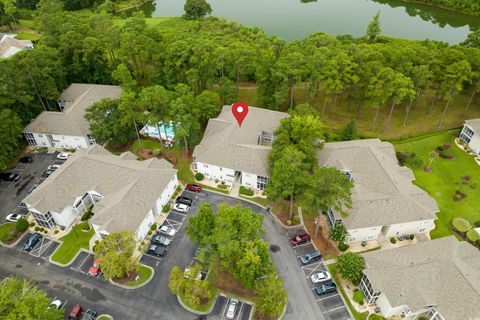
<point x="475" y="124"/>
<point x="72" y="120"/>
<point x="129" y="187"/>
<point x="383" y="193"/>
<point x="442" y="272"/>
<point x="9" y="45"/>
<point x="227" y="145"/>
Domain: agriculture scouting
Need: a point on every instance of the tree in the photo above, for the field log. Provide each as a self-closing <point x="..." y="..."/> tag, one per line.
<point x="196" y="9"/>
<point x="328" y="188"/>
<point x="350" y="266"/>
<point x="200" y="226"/>
<point x="289" y="173"/>
<point x="401" y="90"/>
<point x="339" y="233"/>
<point x="350" y="131"/>
<point x="107" y="122"/>
<point x="253" y="263"/>
<point x="374" y="29"/>
<point x="21" y="225"/>
<point x="473" y="39"/>
<point x="176" y="277"/>
<point x="20" y="299"/>
<point x="10" y="133"/>
<point x="270" y="297"/>
<point x="116" y="253"/>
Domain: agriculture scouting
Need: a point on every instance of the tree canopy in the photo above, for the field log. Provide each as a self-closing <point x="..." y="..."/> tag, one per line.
<point x="196" y="9"/>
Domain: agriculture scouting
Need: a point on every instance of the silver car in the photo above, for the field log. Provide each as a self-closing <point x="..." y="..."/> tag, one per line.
<point x="232" y="307"/>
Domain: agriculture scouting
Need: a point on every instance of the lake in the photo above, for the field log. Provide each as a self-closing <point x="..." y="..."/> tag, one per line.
<point x="296" y="19"/>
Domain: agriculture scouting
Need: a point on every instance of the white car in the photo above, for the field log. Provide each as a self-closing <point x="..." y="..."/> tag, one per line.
<point x="56" y="304"/>
<point x="168" y="230"/>
<point x="63" y="156"/>
<point x="321" y="277"/>
<point x="53" y="167"/>
<point x="13" y="217"/>
<point x="180" y="207"/>
<point x="232" y="307"/>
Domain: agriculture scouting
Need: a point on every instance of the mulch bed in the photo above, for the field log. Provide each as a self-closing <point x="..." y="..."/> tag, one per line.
<point x="123" y="147"/>
<point x="225" y="282"/>
<point x="129" y="278"/>
<point x="322" y="242"/>
<point x="281" y="210"/>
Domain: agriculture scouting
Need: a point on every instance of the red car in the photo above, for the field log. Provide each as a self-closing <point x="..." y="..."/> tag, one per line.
<point x="75" y="313"/>
<point x="95" y="268"/>
<point x="299" y="239"/>
<point x="193" y="187"/>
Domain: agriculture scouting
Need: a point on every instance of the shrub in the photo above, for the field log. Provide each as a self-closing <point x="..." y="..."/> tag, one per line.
<point x="37" y="228"/>
<point x="246" y="191"/>
<point x="477" y="243"/>
<point x="97" y="241"/>
<point x="222" y="186"/>
<point x="87" y="215"/>
<point x="446" y="154"/>
<point x="411" y="237"/>
<point x="156" y="152"/>
<point x="86" y="227"/>
<point x="153" y="227"/>
<point x="343" y="247"/>
<point x="473" y="235"/>
<point x="461" y="225"/>
<point x="376" y="317"/>
<point x="166" y="208"/>
<point x="150" y="232"/>
<point x="289" y="222"/>
<point x="199" y="176"/>
<point x="358" y="297"/>
<point x="393" y="240"/>
<point x="350" y="266"/>
<point x="296" y="219"/>
<point x="402" y="157"/>
<point x="477" y="223"/>
<point x="33" y="223"/>
<point x="21" y="225"/>
<point x="56" y="231"/>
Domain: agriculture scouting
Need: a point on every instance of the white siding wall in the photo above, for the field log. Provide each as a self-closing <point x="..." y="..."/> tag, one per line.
<point x="215" y="172"/>
<point x="364" y="234"/>
<point x="407" y="228"/>
<point x="249" y="180"/>
<point x="66" y="217"/>
<point x="145" y="225"/>
<point x="166" y="195"/>
<point x="474" y="144"/>
<point x="60" y="141"/>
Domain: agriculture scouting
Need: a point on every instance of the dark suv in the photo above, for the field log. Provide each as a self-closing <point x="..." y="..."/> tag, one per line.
<point x="311" y="257"/>
<point x="31" y="241"/>
<point x="184" y="200"/>
<point x="9" y="176"/>
<point x="325" y="288"/>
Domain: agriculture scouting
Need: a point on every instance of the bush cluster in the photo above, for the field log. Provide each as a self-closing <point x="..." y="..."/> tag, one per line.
<point x="393" y="240"/>
<point x="166" y="208"/>
<point x="199" y="176"/>
<point x="409" y="158"/>
<point x="343" y="247"/>
<point x="246" y="191"/>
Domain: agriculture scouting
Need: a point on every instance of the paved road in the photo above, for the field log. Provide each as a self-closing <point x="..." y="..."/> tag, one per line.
<point x="154" y="301"/>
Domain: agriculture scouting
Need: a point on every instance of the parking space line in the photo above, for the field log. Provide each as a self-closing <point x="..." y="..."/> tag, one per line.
<point x="225" y="308"/>
<point x="240" y="311"/>
<point x="301" y="245"/>
<point x="334" y="309"/>
<point x="325" y="298"/>
<point x="80" y="266"/>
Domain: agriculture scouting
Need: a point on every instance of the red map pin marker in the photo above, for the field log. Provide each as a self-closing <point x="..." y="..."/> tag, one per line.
<point x="240" y="111"/>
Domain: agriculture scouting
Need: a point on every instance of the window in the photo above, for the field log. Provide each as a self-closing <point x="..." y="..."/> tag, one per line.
<point x="266" y="138"/>
<point x="30" y="139"/>
<point x="262" y="182"/>
<point x="44" y="220"/>
<point x="366" y="287"/>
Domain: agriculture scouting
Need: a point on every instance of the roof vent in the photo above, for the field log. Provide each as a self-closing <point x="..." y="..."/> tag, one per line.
<point x="266" y="138"/>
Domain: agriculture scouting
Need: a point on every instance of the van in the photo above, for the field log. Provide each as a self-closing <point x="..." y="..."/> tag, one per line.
<point x="311" y="257"/>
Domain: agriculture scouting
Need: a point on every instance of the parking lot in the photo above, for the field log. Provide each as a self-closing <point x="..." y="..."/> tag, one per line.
<point x="12" y="193"/>
<point x="331" y="304"/>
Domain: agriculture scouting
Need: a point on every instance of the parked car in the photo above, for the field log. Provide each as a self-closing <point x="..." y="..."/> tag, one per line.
<point x="31" y="189"/>
<point x="26" y="159"/>
<point x="299" y="239"/>
<point x="157" y="250"/>
<point x="47" y="173"/>
<point x="184" y="200"/>
<point x="168" y="230"/>
<point x="160" y="239"/>
<point x="9" y="176"/>
<point x="75" y="313"/>
<point x="193" y="187"/>
<point x="89" y="315"/>
<point x="55" y="304"/>
<point x="310" y="257"/>
<point x="63" y="156"/>
<point x="320" y="277"/>
<point x="180" y="207"/>
<point x="53" y="167"/>
<point x="326" y="288"/>
<point x="95" y="268"/>
<point x="232" y="307"/>
<point x="31" y="241"/>
<point x="13" y="217"/>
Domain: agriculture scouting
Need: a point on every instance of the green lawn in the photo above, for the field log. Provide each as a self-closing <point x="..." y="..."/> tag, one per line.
<point x="5" y="229"/>
<point x="204" y="307"/>
<point x="146" y="144"/>
<point x="445" y="179"/>
<point x="71" y="244"/>
<point x="27" y="36"/>
<point x="261" y="201"/>
<point x="144" y="274"/>
<point x="103" y="318"/>
<point x="356" y="315"/>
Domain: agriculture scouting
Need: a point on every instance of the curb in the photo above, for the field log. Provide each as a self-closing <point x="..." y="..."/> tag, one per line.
<point x="195" y="311"/>
<point x="105" y="316"/>
<point x="69" y="262"/>
<point x="138" y="285"/>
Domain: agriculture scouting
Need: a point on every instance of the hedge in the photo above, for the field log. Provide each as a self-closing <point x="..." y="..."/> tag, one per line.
<point x="461" y="225"/>
<point x="473" y="235"/>
<point x="246" y="191"/>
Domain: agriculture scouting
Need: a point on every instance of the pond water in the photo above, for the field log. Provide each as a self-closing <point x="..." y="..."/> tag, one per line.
<point x="296" y="19"/>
